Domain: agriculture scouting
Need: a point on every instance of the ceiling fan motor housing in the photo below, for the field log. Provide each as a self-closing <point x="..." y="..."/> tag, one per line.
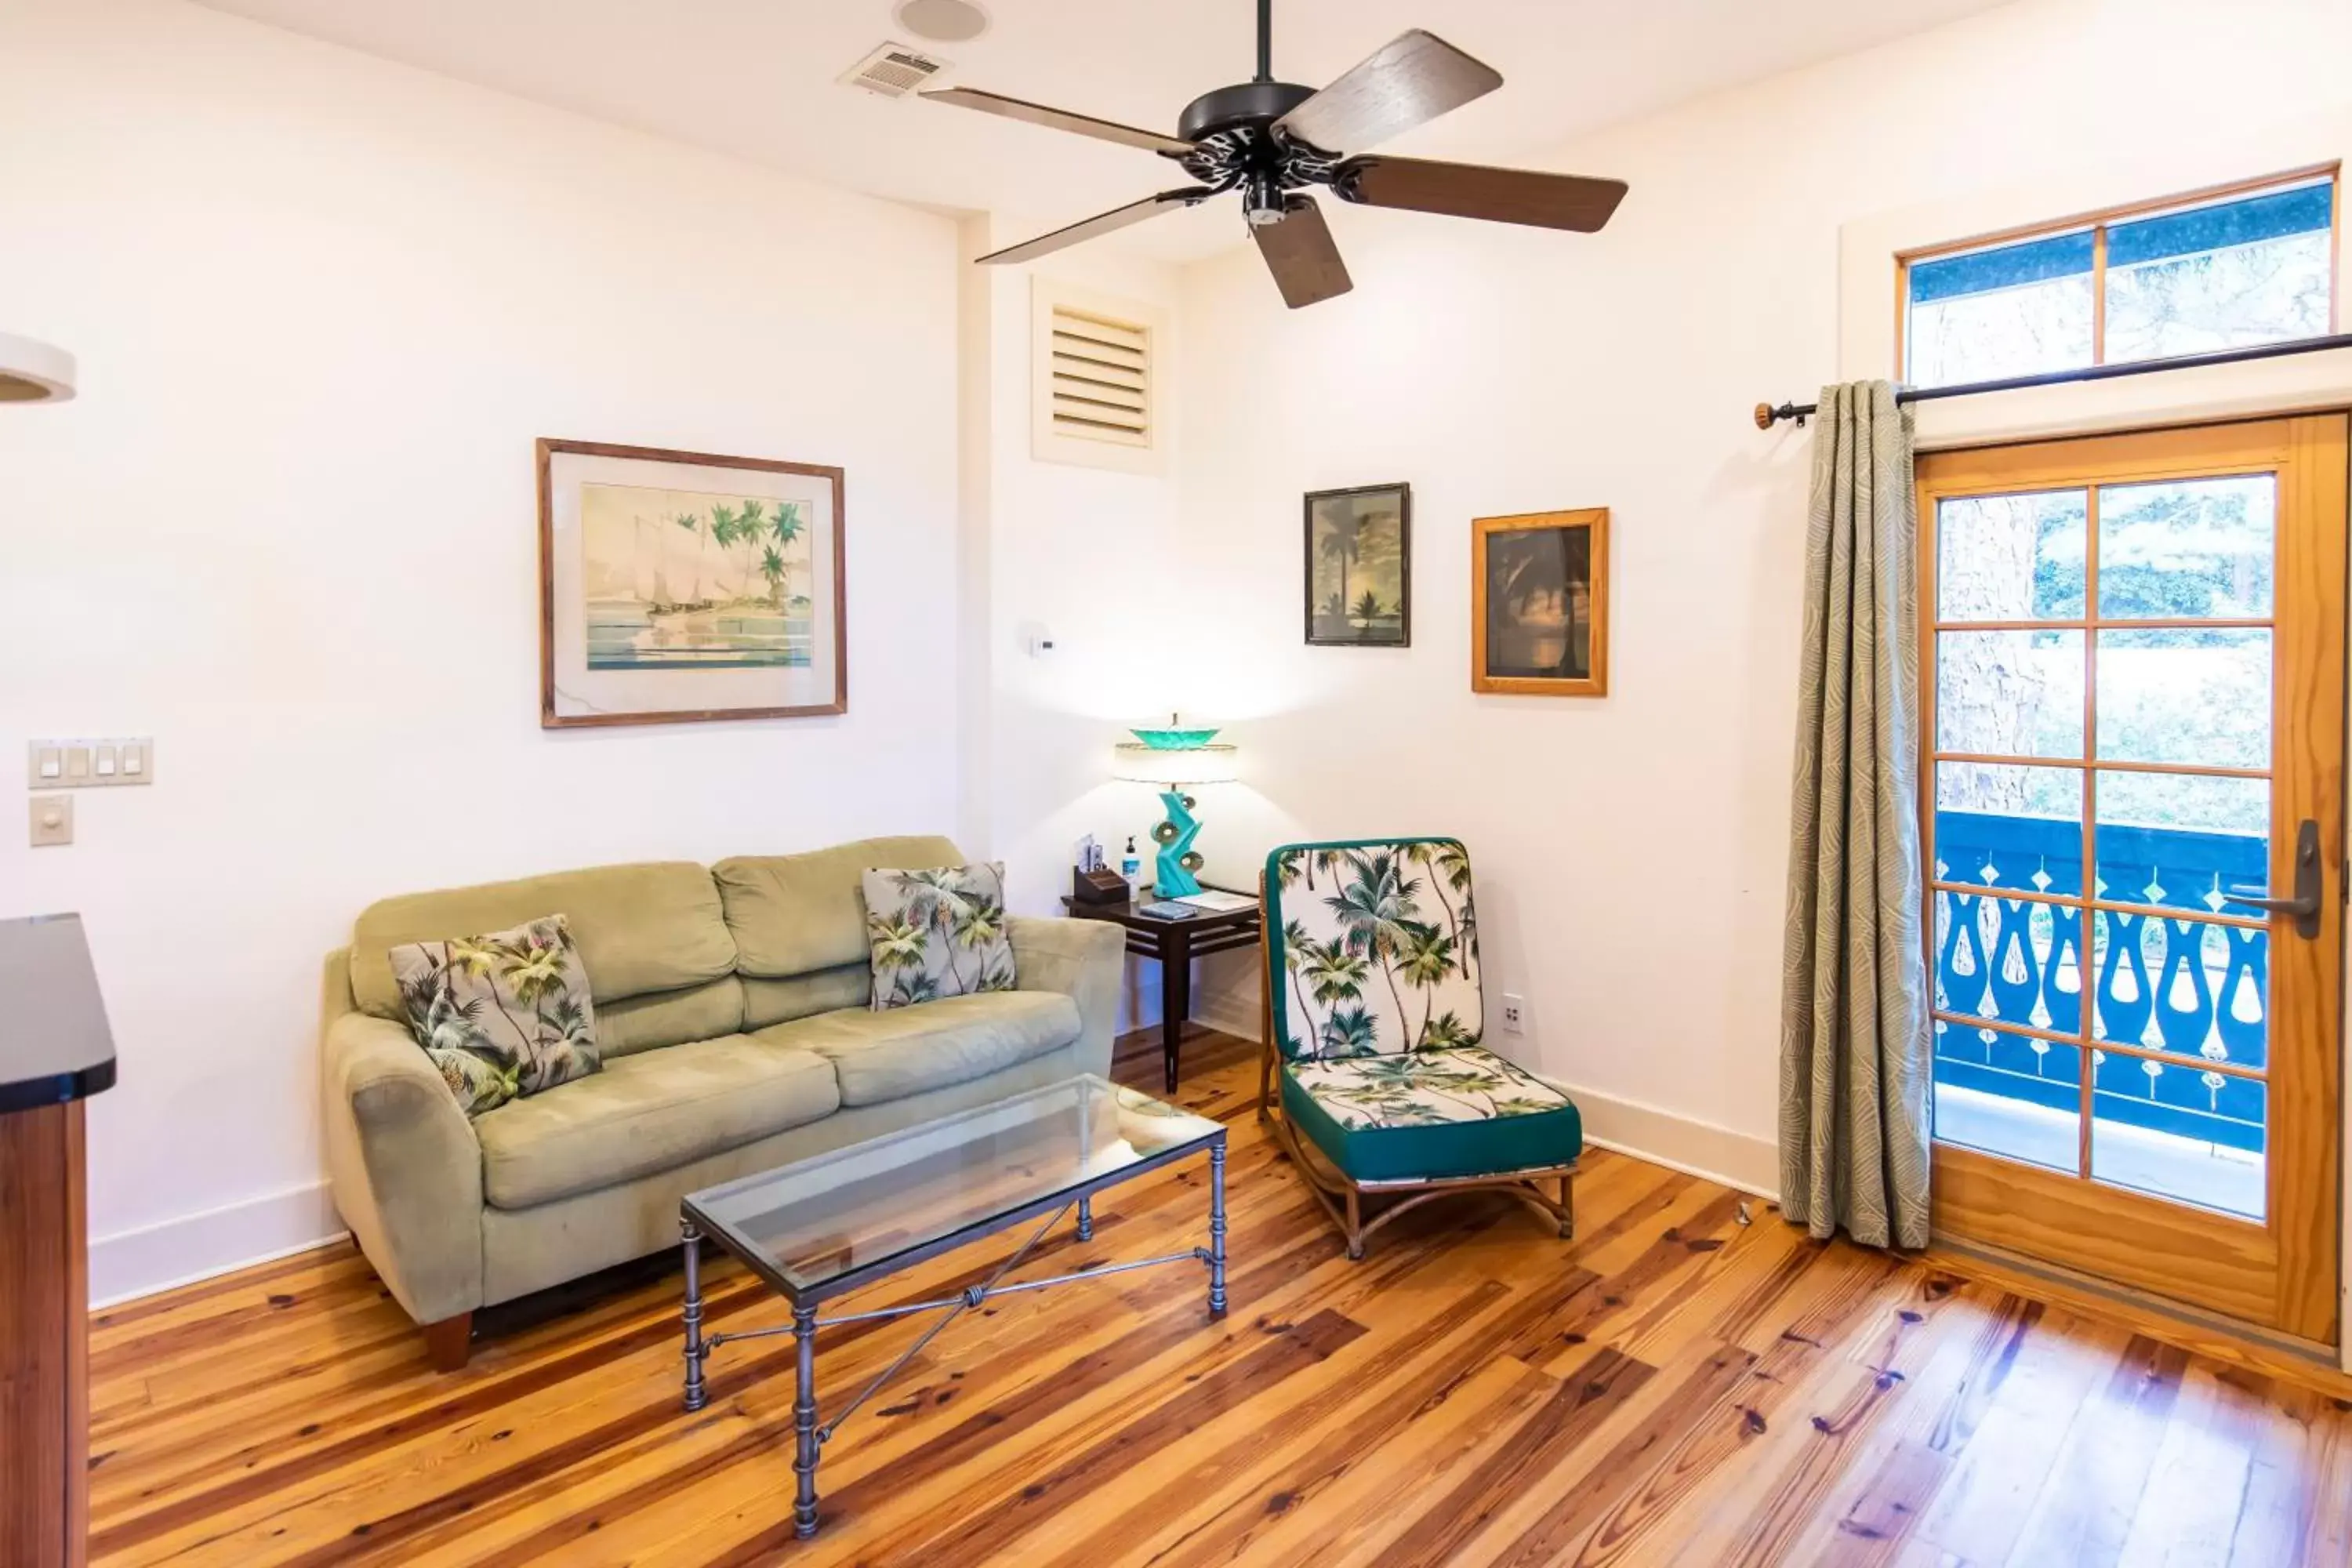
<point x="1235" y="146"/>
<point x="1253" y="104"/>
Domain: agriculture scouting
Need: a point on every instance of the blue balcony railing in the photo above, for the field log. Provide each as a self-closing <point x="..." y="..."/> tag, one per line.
<point x="2196" y="991"/>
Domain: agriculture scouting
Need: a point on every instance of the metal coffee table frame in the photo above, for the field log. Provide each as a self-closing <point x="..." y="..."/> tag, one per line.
<point x="808" y="1435"/>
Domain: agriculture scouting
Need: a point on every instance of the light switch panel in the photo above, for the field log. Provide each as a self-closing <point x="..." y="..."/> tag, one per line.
<point x="93" y="763"/>
<point x="52" y="820"/>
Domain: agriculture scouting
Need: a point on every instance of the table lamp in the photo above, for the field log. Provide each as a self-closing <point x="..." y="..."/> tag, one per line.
<point x="1173" y="758"/>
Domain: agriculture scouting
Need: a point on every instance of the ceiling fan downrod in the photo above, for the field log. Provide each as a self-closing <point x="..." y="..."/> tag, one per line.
<point x="1265" y="41"/>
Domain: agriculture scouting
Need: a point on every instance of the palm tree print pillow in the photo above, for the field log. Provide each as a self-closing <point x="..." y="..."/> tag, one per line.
<point x="1378" y="948"/>
<point x="503" y="1014"/>
<point x="937" y="933"/>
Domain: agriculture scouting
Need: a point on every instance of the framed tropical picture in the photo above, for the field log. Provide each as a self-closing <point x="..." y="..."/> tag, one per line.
<point x="1359" y="567"/>
<point x="684" y="586"/>
<point x="1539" y="604"/>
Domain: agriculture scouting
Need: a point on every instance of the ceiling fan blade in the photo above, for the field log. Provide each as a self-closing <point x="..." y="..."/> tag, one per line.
<point x="1412" y="79"/>
<point x="1474" y="190"/>
<point x="1298" y="251"/>
<point x="1060" y="120"/>
<point x="1101" y="223"/>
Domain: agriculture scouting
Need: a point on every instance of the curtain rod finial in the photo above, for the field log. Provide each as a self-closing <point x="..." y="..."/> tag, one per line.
<point x="1764" y="416"/>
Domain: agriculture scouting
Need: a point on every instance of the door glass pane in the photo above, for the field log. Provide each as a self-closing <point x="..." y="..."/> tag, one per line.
<point x="2009" y="310"/>
<point x="2182" y="840"/>
<point x="2185" y="696"/>
<point x="2010" y="693"/>
<point x="2254" y="271"/>
<point x="1998" y="826"/>
<point x="2180" y="1133"/>
<point x="2189" y="988"/>
<point x="2195" y="549"/>
<point x="2008" y="1094"/>
<point x="2010" y="558"/>
<point x="2012" y="960"/>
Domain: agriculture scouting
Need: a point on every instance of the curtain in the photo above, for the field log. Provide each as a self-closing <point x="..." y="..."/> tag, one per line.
<point x="1855" y="1052"/>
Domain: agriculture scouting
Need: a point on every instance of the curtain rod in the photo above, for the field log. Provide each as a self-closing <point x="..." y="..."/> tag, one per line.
<point x="1767" y="415"/>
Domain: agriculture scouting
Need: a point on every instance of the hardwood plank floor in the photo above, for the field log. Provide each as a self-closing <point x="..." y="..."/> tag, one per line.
<point x="1675" y="1386"/>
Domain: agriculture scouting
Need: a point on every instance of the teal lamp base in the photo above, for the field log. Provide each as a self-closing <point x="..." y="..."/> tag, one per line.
<point x="1173" y="877"/>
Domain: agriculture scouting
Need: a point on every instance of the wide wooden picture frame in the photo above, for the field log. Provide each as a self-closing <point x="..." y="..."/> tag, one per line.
<point x="1539" y="604"/>
<point x="1359" y="538"/>
<point x="688" y="587"/>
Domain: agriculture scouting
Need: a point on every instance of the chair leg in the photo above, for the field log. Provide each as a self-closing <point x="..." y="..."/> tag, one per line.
<point x="1568" y="1206"/>
<point x="449" y="1342"/>
<point x="1355" y="1226"/>
<point x="1267" y="1046"/>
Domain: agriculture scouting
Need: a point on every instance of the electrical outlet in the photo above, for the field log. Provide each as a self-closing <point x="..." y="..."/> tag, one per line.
<point x="1513" y="1014"/>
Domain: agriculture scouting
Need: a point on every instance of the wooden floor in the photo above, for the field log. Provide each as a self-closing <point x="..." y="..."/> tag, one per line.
<point x="1672" y="1387"/>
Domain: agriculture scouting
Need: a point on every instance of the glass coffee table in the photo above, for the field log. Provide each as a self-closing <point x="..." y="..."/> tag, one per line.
<point x="823" y="1226"/>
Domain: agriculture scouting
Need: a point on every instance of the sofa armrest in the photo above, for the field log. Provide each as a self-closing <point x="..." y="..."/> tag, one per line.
<point x="1083" y="960"/>
<point x="403" y="1160"/>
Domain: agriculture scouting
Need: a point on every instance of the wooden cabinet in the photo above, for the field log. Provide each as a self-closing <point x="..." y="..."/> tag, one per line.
<point x="44" y="1340"/>
<point x="55" y="1052"/>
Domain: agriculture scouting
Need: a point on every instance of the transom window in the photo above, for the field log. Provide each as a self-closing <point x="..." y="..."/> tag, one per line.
<point x="2252" y="265"/>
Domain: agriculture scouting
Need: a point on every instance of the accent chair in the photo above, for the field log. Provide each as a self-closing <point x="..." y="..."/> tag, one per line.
<point x="1374" y="1079"/>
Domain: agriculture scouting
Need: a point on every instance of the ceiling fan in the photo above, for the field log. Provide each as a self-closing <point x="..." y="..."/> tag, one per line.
<point x="1270" y="140"/>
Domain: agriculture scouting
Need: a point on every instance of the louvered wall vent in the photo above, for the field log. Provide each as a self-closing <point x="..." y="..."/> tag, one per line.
<point x="894" y="70"/>
<point x="1095" y="372"/>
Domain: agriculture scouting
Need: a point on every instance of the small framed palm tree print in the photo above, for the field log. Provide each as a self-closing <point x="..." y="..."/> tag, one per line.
<point x="677" y="587"/>
<point x="1359" y="567"/>
<point x="1539" y="604"/>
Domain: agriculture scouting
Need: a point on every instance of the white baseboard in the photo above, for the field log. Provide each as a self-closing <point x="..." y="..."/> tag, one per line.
<point x="1679" y="1143"/>
<point x="134" y="1263"/>
<point x="1225" y="1019"/>
<point x="1665" y="1138"/>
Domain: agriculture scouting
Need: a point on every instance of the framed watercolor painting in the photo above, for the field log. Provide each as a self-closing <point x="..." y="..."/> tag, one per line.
<point x="680" y="586"/>
<point x="1359" y="567"/>
<point x="1539" y="604"/>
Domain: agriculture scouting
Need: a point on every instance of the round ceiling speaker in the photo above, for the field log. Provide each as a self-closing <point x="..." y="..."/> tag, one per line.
<point x="942" y="21"/>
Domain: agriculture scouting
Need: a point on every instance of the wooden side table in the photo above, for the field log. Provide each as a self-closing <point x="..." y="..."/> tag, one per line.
<point x="1175" y="943"/>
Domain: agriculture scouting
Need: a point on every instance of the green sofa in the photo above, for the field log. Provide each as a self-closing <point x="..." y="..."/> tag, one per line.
<point x="732" y="1013"/>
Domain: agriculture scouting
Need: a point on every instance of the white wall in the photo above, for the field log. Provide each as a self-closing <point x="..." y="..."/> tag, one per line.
<point x="1081" y="553"/>
<point x="1630" y="850"/>
<point x="323" y="306"/>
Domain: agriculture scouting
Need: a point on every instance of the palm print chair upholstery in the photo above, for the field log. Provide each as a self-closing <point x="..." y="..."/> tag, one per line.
<point x="1385" y="1097"/>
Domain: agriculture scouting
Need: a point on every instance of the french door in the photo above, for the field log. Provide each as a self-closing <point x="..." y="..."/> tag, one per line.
<point x="2134" y="697"/>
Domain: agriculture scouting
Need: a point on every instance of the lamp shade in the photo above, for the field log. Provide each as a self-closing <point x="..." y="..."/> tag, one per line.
<point x="33" y="372"/>
<point x="1172" y="766"/>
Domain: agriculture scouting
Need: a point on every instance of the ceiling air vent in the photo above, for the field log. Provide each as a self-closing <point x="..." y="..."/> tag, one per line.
<point x="894" y="70"/>
<point x="1095" y="376"/>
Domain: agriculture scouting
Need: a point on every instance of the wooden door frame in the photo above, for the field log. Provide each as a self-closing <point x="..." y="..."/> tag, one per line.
<point x="2283" y="1274"/>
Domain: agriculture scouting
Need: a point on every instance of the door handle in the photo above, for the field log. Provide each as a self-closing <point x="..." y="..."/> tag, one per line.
<point x="2304" y="905"/>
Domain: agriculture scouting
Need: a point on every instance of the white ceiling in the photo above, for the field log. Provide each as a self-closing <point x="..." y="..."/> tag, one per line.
<point x="757" y="77"/>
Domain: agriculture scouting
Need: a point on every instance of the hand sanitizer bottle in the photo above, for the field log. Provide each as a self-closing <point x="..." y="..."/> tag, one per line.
<point x="1130" y="866"/>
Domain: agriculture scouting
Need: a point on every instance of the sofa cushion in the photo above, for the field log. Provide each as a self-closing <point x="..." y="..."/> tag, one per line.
<point x="657" y="1018"/>
<point x="1426" y="1114"/>
<point x="887" y="1056"/>
<point x="937" y="933"/>
<point x="656" y="927"/>
<point x="503" y="1014"/>
<point x="793" y="913"/>
<point x="648" y="1112"/>
<point x="767" y="1002"/>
